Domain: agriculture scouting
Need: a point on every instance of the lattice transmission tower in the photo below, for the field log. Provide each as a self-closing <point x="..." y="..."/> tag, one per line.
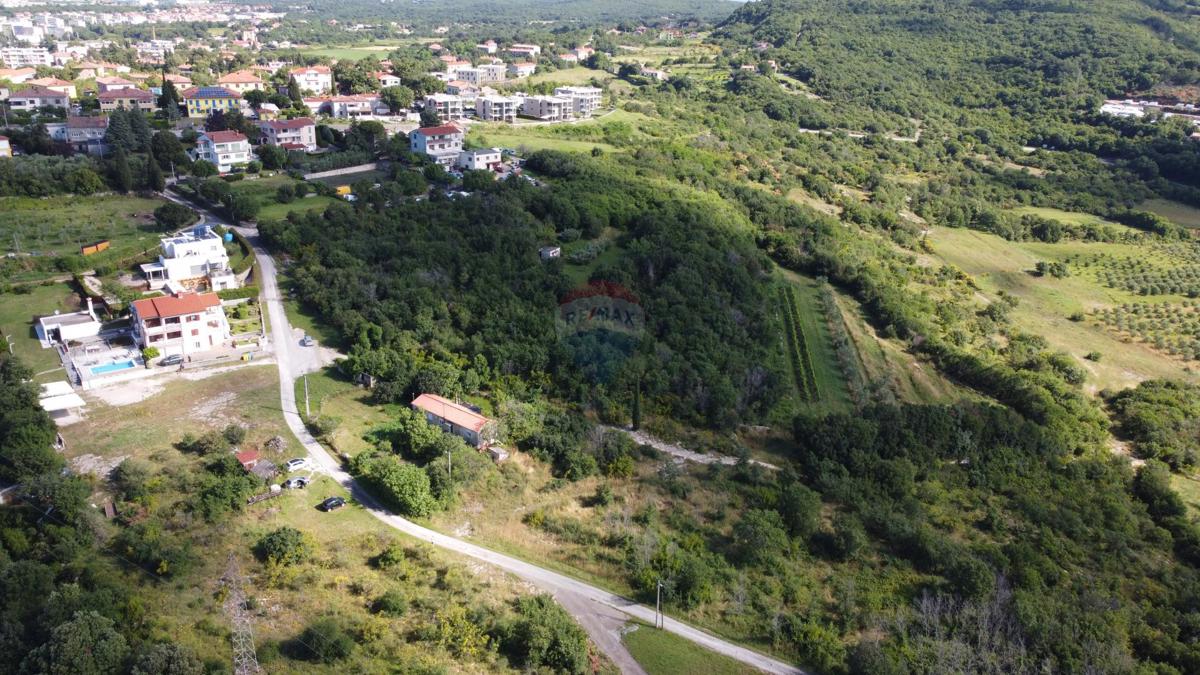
<point x="245" y="662"/>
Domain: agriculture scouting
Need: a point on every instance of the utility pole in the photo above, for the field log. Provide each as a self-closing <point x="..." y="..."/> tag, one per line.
<point x="245" y="661"/>
<point x="307" y="414"/>
<point x="659" y="618"/>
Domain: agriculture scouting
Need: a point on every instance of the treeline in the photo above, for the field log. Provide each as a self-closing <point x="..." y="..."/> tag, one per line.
<point x="422" y="292"/>
<point x="67" y="609"/>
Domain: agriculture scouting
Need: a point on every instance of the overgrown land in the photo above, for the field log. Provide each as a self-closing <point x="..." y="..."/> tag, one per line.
<point x="891" y="249"/>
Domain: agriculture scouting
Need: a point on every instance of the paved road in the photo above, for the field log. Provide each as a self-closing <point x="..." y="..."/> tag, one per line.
<point x="600" y="612"/>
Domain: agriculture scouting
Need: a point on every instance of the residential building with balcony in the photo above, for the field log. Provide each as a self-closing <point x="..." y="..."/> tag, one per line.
<point x="184" y="323"/>
<point x="313" y="79"/>
<point x="584" y="100"/>
<point x="202" y="101"/>
<point x="442" y="143"/>
<point x="225" y="149"/>
<point x="191" y="260"/>
<point x="127" y="99"/>
<point x="547" y="108"/>
<point x="497" y="108"/>
<point x="295" y="134"/>
<point x="447" y="106"/>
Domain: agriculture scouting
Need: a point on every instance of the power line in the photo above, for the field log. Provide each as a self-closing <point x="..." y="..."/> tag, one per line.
<point x="245" y="661"/>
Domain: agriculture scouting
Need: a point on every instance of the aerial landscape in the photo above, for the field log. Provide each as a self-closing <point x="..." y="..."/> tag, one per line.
<point x="579" y="336"/>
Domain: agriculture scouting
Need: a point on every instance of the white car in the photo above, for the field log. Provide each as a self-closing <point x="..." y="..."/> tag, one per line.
<point x="296" y="464"/>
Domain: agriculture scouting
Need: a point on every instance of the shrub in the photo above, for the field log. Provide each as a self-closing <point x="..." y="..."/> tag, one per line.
<point x="234" y="434"/>
<point x="392" y="603"/>
<point x="286" y="546"/>
<point x="546" y="638"/>
<point x="327" y="640"/>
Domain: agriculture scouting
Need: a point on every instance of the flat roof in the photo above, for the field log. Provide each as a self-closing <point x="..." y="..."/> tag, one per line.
<point x="59" y="388"/>
<point x="64" y="402"/>
<point x="72" y="319"/>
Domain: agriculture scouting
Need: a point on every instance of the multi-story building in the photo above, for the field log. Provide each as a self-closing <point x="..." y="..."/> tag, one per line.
<point x="180" y="81"/>
<point x="447" y="106"/>
<point x="127" y="99"/>
<point x="386" y="79"/>
<point x="201" y="101"/>
<point x="296" y="134"/>
<point x="488" y="47"/>
<point x="522" y="69"/>
<point x="584" y="100"/>
<point x="113" y="83"/>
<point x="61" y="86"/>
<point x="191" y="260"/>
<point x="185" y="323"/>
<point x="240" y="81"/>
<point x="34" y="97"/>
<point x="530" y="51"/>
<point x="86" y="134"/>
<point x="467" y="74"/>
<point x="22" y="57"/>
<point x="313" y="79"/>
<point x="225" y="149"/>
<point x="354" y="105"/>
<point x="442" y="144"/>
<point x="497" y="108"/>
<point x="463" y="89"/>
<point x="547" y="108"/>
<point x="492" y="72"/>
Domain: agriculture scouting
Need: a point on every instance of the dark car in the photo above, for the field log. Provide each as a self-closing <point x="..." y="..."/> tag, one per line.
<point x="332" y="503"/>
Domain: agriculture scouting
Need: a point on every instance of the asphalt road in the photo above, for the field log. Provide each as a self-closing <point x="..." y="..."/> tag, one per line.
<point x="600" y="612"/>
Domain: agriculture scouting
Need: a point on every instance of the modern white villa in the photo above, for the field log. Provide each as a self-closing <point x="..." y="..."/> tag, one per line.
<point x="191" y="260"/>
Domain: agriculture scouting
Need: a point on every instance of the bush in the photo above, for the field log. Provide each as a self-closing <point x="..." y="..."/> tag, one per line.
<point x="286" y="546"/>
<point x="234" y="434"/>
<point x="546" y="638"/>
<point x="150" y="353"/>
<point x="392" y="603"/>
<point x="327" y="640"/>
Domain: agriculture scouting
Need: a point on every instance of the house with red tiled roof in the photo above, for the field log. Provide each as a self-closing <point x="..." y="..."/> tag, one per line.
<point x="184" y="323"/>
<point x="33" y="97"/>
<point x="127" y="99"/>
<point x="225" y="149"/>
<point x="313" y="79"/>
<point x="241" y="81"/>
<point x="114" y="83"/>
<point x="456" y="418"/>
<point x="180" y="81"/>
<point x="442" y="143"/>
<point x="53" y="83"/>
<point x="299" y="133"/>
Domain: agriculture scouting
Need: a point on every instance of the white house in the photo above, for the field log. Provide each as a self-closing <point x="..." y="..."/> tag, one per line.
<point x="584" y="100"/>
<point x="522" y="69"/>
<point x="85" y="134"/>
<point x="488" y="47"/>
<point x="443" y="143"/>
<point x="547" y="108"/>
<point x="531" y="51"/>
<point x="497" y="108"/>
<point x="313" y="79"/>
<point x="455" y="418"/>
<point x="63" y="328"/>
<point x="355" y="105"/>
<point x="387" y="80"/>
<point x="225" y="149"/>
<point x="478" y="160"/>
<point x="295" y="134"/>
<point x="34" y="97"/>
<point x="463" y="89"/>
<point x="447" y="106"/>
<point x="189" y="260"/>
<point x="183" y="324"/>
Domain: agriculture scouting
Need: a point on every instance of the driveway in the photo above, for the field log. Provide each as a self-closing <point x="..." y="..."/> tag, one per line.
<point x="600" y="612"/>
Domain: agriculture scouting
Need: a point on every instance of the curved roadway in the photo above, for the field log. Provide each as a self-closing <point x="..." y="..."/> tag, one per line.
<point x="599" y="611"/>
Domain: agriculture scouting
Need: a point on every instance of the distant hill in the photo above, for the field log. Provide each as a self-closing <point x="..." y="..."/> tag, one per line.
<point x="1025" y="58"/>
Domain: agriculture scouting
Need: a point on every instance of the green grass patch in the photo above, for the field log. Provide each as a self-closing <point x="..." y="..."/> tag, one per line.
<point x="17" y="312"/>
<point x="61" y="225"/>
<point x="811" y="320"/>
<point x="1188" y="488"/>
<point x="276" y="211"/>
<point x="663" y="653"/>
<point x="1068" y="217"/>
<point x="529" y="140"/>
<point x="1176" y="212"/>
<point x="567" y="76"/>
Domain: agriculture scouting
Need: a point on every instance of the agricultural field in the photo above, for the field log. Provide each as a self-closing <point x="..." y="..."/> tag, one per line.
<point x="387" y="592"/>
<point x="44" y="234"/>
<point x="17" y="313"/>
<point x="531" y="139"/>
<point x="808" y="342"/>
<point x="1176" y="212"/>
<point x="1052" y="307"/>
<point x="263" y="191"/>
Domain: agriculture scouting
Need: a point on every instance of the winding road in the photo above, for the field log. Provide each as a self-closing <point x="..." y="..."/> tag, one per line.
<point x="601" y="613"/>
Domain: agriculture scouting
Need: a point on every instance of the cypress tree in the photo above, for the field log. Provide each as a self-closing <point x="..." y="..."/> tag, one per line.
<point x="122" y="177"/>
<point x="637" y="405"/>
<point x="154" y="175"/>
<point x="140" y="129"/>
<point x="169" y="99"/>
<point x="119" y="133"/>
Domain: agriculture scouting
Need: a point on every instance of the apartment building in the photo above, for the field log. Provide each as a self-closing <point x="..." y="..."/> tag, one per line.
<point x="313" y="79"/>
<point x="25" y="57"/>
<point x="547" y="108"/>
<point x="497" y="108"/>
<point x="296" y="134"/>
<point x="127" y="99"/>
<point x="34" y="97"/>
<point x="443" y="143"/>
<point x="225" y="149"/>
<point x="448" y="106"/>
<point x="184" y="323"/>
<point x="201" y="101"/>
<point x="241" y="81"/>
<point x="584" y="100"/>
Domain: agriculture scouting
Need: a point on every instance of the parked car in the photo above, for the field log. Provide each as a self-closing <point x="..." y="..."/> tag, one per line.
<point x="308" y="341"/>
<point x="332" y="503"/>
<point x="296" y="464"/>
<point x="297" y="483"/>
<point x="172" y="360"/>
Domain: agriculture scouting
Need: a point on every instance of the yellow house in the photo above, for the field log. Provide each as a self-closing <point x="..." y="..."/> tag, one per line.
<point x="201" y="101"/>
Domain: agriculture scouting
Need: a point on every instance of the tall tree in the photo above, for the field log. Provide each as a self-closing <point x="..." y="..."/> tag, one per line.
<point x="122" y="176"/>
<point x="169" y="100"/>
<point x="140" y="129"/>
<point x="120" y="132"/>
<point x="154" y="176"/>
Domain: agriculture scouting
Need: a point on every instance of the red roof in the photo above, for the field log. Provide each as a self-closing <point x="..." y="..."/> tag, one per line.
<point x="175" y="305"/>
<point x="315" y="69"/>
<point x="240" y="77"/>
<point x="280" y="125"/>
<point x="36" y="91"/>
<point x="224" y="136"/>
<point x="247" y="458"/>
<point x="438" y="131"/>
<point x="74" y="122"/>
<point x="455" y="413"/>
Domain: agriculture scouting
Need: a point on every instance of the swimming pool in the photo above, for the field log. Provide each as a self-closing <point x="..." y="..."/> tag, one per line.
<point x="113" y="367"/>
